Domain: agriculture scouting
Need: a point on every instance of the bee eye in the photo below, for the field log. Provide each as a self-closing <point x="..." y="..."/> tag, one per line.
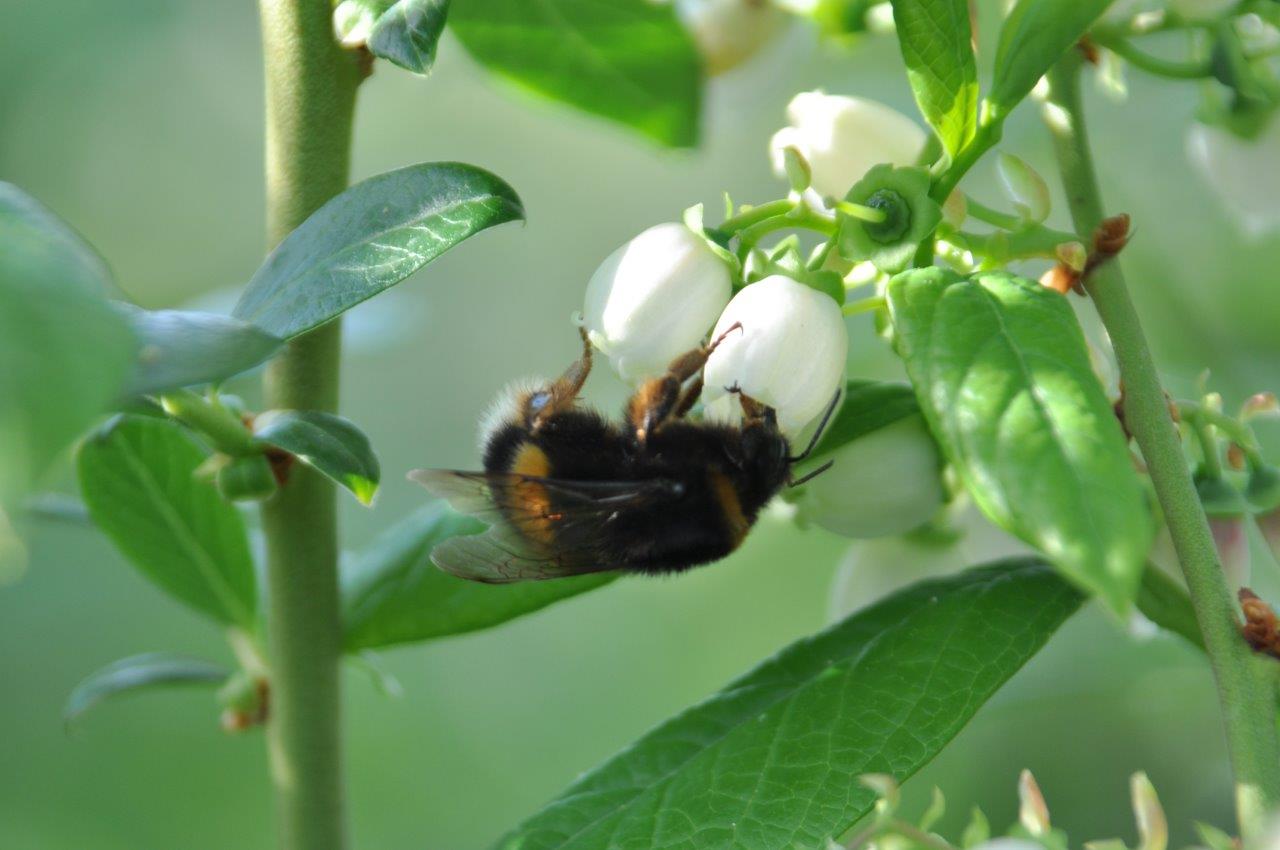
<point x="539" y="400"/>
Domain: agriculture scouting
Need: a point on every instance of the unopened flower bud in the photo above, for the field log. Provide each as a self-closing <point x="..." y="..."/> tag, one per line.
<point x="842" y="138"/>
<point x="246" y="479"/>
<point x="1260" y="404"/>
<point x="1024" y="186"/>
<point x="728" y="32"/>
<point x="798" y="173"/>
<point x="789" y="355"/>
<point x="1241" y="171"/>
<point x="882" y="484"/>
<point x="1073" y="255"/>
<point x="1033" y="814"/>
<point x="352" y="23"/>
<point x="654" y="298"/>
<point x="1153" y="830"/>
<point x="886" y="788"/>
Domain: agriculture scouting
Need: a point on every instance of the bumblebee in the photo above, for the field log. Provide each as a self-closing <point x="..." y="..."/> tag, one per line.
<point x="567" y="492"/>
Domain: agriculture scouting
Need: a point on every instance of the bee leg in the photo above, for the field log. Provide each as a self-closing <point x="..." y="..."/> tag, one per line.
<point x="661" y="399"/>
<point x="562" y="393"/>
<point x="753" y="411"/>
<point x="688" y="398"/>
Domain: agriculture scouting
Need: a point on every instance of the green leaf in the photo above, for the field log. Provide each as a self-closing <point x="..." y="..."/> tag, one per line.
<point x="773" y="760"/>
<point x="369" y="238"/>
<point x="1035" y="35"/>
<point x="179" y="348"/>
<point x="1002" y="373"/>
<point x="407" y="33"/>
<point x="867" y="406"/>
<point x="332" y="445"/>
<point x="138" y="479"/>
<point x="140" y="672"/>
<point x="393" y="594"/>
<point x="64" y="352"/>
<point x="626" y="60"/>
<point x="937" y="47"/>
<point x="1164" y="603"/>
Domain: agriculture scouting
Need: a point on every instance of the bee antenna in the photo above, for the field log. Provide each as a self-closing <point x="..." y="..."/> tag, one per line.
<point x="819" y="431"/>
<point x="805" y="479"/>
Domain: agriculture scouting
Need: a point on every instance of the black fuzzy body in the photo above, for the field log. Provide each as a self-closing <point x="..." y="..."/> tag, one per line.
<point x="718" y="477"/>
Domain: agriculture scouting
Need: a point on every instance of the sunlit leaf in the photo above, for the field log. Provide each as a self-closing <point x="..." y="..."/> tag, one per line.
<point x="1035" y="35"/>
<point x="1002" y="373"/>
<point x="329" y="443"/>
<point x="936" y="45"/>
<point x="773" y="760"/>
<point x="370" y="237"/>
<point x="626" y="60"/>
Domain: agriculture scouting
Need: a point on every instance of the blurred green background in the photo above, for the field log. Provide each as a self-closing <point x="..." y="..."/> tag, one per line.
<point x="141" y="124"/>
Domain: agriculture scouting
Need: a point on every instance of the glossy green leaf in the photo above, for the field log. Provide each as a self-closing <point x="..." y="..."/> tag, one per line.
<point x="407" y="33"/>
<point x="369" y="238"/>
<point x="332" y="445"/>
<point x="1002" y="373"/>
<point x="773" y="760"/>
<point x="626" y="60"/>
<point x="179" y="348"/>
<point x="64" y="352"/>
<point x="393" y="594"/>
<point x="149" y="671"/>
<point x="937" y="47"/>
<point x="138" y="479"/>
<point x="867" y="406"/>
<point x="1035" y="34"/>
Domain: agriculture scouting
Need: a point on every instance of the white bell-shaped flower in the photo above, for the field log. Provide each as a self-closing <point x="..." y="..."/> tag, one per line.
<point x="842" y="137"/>
<point x="882" y="484"/>
<point x="789" y="355"/>
<point x="1242" y="172"/>
<point x="654" y="298"/>
<point x="729" y="32"/>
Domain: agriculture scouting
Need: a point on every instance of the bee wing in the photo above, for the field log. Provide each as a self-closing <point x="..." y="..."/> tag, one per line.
<point x="504" y="553"/>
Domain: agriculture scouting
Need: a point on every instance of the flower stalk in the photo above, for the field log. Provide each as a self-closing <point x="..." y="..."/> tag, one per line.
<point x="1246" y="699"/>
<point x="310" y="103"/>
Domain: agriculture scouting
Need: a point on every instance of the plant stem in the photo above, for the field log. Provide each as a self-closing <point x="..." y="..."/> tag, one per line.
<point x="1247" y="704"/>
<point x="1170" y="69"/>
<point x="222" y="428"/>
<point x="310" y="102"/>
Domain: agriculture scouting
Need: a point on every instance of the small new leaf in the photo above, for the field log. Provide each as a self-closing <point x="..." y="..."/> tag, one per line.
<point x="369" y="238"/>
<point x="937" y="47"/>
<point x="1035" y="35"/>
<point x="407" y="33"/>
<point x="150" y="671"/>
<point x="332" y="445"/>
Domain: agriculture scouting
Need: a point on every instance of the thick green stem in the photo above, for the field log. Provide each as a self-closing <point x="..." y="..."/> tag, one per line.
<point x="310" y="101"/>
<point x="1247" y="704"/>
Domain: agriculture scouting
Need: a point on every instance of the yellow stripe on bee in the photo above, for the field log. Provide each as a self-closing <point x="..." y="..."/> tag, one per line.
<point x="530" y="506"/>
<point x="727" y="497"/>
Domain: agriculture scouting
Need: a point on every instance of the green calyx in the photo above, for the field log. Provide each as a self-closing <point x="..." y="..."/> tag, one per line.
<point x="910" y="217"/>
<point x="1219" y="497"/>
<point x="1263" y="489"/>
